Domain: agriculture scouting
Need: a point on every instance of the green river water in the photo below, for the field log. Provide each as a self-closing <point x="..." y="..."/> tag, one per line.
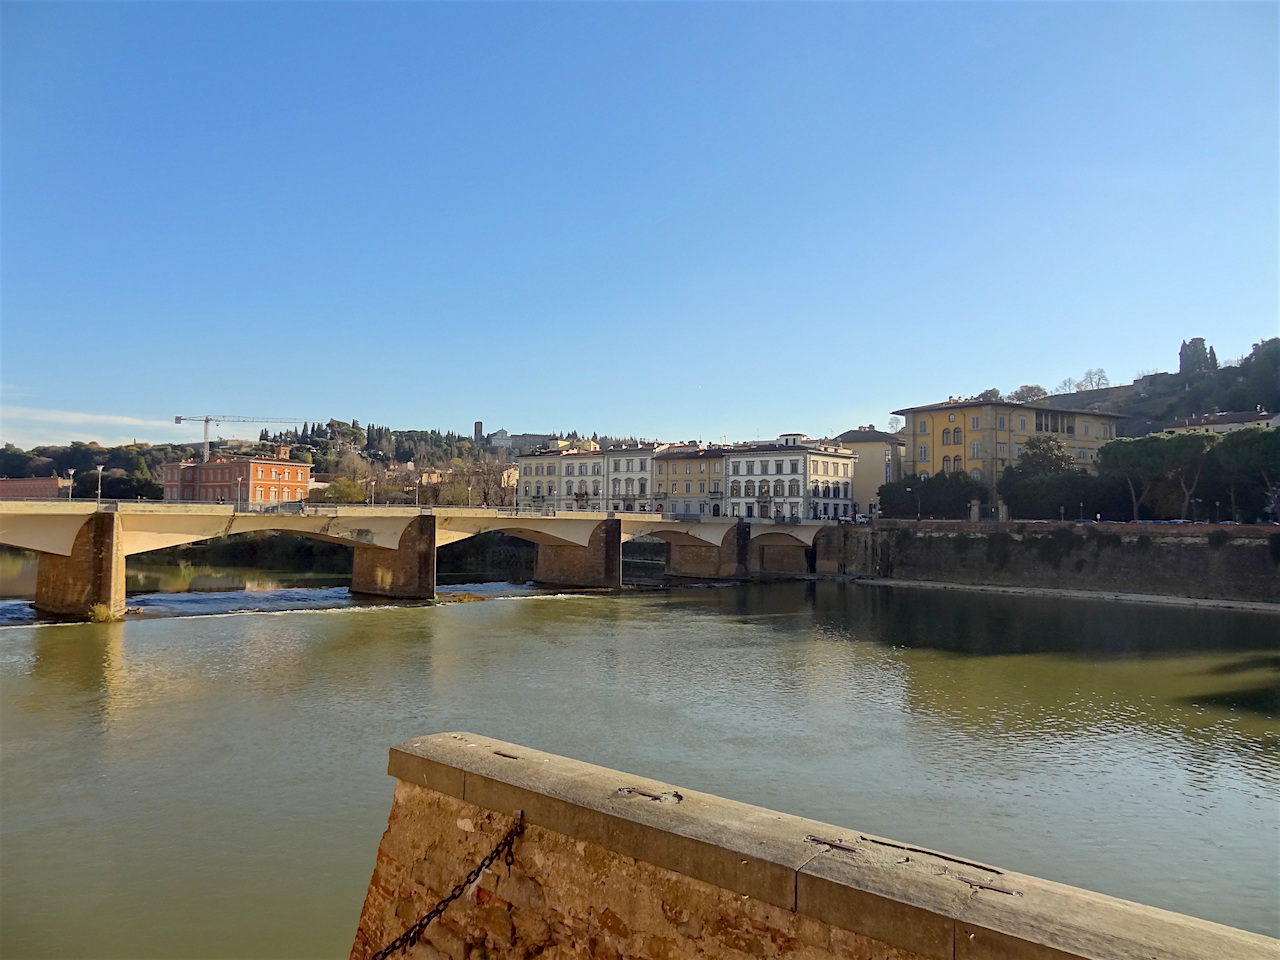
<point x="213" y="784"/>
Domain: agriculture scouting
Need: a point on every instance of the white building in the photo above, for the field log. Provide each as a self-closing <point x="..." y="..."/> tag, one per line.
<point x="629" y="476"/>
<point x="792" y="477"/>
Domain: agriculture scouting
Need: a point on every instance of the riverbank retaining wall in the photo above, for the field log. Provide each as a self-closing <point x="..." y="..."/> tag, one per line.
<point x="1198" y="561"/>
<point x="1204" y="562"/>
<point x="612" y="865"/>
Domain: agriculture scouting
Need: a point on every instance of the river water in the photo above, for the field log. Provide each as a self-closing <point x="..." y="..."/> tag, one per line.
<point x="214" y="785"/>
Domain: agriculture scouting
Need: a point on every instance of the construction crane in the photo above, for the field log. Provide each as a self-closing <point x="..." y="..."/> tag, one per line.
<point x="210" y="418"/>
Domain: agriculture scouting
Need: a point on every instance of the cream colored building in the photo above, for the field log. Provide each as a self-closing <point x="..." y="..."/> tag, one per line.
<point x="689" y="481"/>
<point x="880" y="459"/>
<point x="556" y="480"/>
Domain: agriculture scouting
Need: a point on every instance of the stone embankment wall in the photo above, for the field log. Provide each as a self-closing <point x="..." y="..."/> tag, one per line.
<point x="1199" y="561"/>
<point x="615" y="866"/>
<point x="1206" y="562"/>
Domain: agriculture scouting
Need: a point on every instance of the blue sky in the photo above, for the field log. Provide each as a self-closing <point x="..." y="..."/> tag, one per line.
<point x="669" y="220"/>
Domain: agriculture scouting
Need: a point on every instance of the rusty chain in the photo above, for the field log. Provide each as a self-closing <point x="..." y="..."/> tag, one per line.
<point x="414" y="933"/>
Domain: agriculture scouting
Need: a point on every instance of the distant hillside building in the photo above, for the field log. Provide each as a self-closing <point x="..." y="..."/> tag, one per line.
<point x="238" y="479"/>
<point x="1223" y="423"/>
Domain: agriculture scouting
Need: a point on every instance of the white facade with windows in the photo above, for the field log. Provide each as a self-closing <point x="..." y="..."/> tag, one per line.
<point x="629" y="477"/>
<point x="792" y="478"/>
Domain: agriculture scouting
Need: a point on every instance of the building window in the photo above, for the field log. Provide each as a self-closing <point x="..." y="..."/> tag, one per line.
<point x="1085" y="427"/>
<point x="527" y="489"/>
<point x="644" y="464"/>
<point x="975" y="473"/>
<point x="551" y="469"/>
<point x="958" y="437"/>
<point x="751" y="510"/>
<point x="662" y="467"/>
<point x="733" y="510"/>
<point x="735" y="488"/>
<point x="715" y="467"/>
<point x="702" y="486"/>
<point x="973" y="450"/>
<point x="778" y="488"/>
<point x="922" y="426"/>
<point x="538" y="469"/>
<point x="617" y="486"/>
<point x="946" y="437"/>
<point x="715" y="486"/>
<point x="734" y="471"/>
<point x="751" y="468"/>
<point x="661" y="486"/>
<point x="1001" y="422"/>
<point x="537" y="489"/>
<point x="946" y="464"/>
<point x="595" y="488"/>
<point x="749" y="489"/>
<point x="1106" y="432"/>
<point x="951" y="418"/>
<point x="631" y="465"/>
<point x="702" y="466"/>
<point x="688" y="468"/>
<point x="551" y="488"/>
<point x="1022" y="423"/>
<point x="973" y="423"/>
<point x="795" y="466"/>
<point x="595" y="469"/>
<point x="617" y="465"/>
<point x="923" y="452"/>
<point x="793" y="488"/>
<point x="1000" y="449"/>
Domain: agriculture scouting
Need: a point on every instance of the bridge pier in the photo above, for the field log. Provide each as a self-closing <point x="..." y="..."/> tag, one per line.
<point x="598" y="564"/>
<point x="408" y="572"/>
<point x="727" y="561"/>
<point x="92" y="576"/>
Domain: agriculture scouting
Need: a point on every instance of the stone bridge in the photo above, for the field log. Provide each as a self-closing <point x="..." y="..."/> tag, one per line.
<point x="82" y="545"/>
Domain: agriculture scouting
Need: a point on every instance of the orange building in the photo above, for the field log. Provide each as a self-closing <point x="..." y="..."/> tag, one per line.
<point x="238" y="479"/>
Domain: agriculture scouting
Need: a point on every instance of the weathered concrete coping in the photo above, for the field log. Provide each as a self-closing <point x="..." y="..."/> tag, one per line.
<point x="923" y="901"/>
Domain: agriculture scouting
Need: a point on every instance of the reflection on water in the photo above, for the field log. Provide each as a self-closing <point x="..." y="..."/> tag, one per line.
<point x="192" y="782"/>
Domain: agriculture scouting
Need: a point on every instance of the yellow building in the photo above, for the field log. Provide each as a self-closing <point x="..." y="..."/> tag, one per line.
<point x="689" y="481"/>
<point x="983" y="437"/>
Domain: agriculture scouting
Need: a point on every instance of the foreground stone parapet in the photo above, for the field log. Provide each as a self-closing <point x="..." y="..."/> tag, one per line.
<point x="613" y="865"/>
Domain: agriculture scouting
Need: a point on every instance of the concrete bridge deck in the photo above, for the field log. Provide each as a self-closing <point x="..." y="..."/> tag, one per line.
<point x="82" y="544"/>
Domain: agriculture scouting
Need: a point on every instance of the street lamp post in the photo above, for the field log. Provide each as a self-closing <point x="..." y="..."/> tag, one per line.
<point x="1082" y="510"/>
<point x="99" y="484"/>
<point x="239" y="481"/>
<point x="71" y="476"/>
<point x="918" y="509"/>
<point x="1217" y="511"/>
<point x="1062" y="514"/>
